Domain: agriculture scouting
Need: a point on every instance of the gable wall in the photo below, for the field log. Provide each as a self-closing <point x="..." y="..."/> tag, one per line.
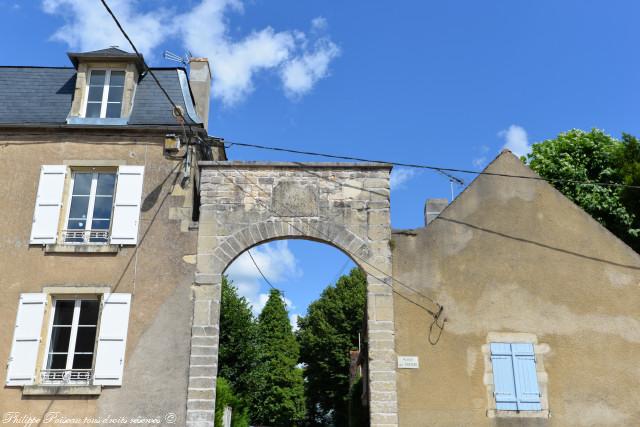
<point x="513" y="255"/>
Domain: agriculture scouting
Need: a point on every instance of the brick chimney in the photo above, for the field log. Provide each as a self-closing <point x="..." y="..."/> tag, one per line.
<point x="200" y="82"/>
<point x="432" y="209"/>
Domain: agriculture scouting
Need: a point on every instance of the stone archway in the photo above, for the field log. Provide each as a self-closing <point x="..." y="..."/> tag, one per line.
<point x="244" y="204"/>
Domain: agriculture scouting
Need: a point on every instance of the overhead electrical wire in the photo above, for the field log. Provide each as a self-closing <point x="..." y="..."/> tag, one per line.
<point x="146" y="67"/>
<point x="228" y="144"/>
<point x="261" y="273"/>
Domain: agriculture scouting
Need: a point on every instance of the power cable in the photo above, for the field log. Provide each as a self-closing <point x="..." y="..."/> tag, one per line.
<point x="261" y="273"/>
<point x="228" y="144"/>
<point x="146" y="67"/>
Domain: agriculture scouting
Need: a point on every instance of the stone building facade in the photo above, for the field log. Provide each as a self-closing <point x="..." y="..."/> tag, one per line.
<point x="122" y="278"/>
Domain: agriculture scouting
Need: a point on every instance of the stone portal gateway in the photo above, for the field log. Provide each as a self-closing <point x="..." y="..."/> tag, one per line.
<point x="244" y="204"/>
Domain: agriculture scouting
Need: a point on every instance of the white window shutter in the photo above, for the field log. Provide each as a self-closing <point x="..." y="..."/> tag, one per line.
<point x="21" y="369"/>
<point x="48" y="203"/>
<point x="112" y="339"/>
<point x="126" y="211"/>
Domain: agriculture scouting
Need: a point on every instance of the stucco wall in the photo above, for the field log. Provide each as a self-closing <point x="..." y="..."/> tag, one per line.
<point x="514" y="255"/>
<point x="157" y="354"/>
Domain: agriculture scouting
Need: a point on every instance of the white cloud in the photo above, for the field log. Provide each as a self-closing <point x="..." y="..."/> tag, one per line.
<point x="277" y="263"/>
<point x="88" y="26"/>
<point x="319" y="23"/>
<point x="205" y="31"/>
<point x="481" y="160"/>
<point x="301" y="73"/>
<point x="399" y="176"/>
<point x="516" y="140"/>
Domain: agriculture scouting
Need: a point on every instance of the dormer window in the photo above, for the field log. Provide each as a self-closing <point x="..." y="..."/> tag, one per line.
<point x="105" y="89"/>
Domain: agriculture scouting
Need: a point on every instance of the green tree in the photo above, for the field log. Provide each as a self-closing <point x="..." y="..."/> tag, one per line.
<point x="326" y="335"/>
<point x="277" y="395"/>
<point x="226" y="397"/>
<point x="628" y="162"/>
<point x="594" y="156"/>
<point x="238" y="333"/>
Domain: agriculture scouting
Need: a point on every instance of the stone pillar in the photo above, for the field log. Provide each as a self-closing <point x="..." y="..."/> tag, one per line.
<point x="203" y="364"/>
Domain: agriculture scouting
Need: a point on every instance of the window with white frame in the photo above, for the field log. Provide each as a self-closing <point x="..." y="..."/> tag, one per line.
<point x="72" y="340"/>
<point x="85" y="340"/>
<point x="90" y="207"/>
<point x="515" y="378"/>
<point x="105" y="89"/>
<point x="102" y="205"/>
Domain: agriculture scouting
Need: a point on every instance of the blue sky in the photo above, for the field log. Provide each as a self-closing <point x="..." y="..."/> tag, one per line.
<point x="442" y="83"/>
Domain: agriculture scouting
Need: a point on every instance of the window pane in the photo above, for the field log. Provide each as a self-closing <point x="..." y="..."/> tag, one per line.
<point x="97" y="78"/>
<point x="76" y="224"/>
<point x="113" y="109"/>
<point x="102" y="208"/>
<point x="81" y="184"/>
<point x="106" y="182"/>
<point x="100" y="224"/>
<point x="95" y="93"/>
<point x="79" y="207"/>
<point x="82" y="361"/>
<point x="117" y="78"/>
<point x="89" y="312"/>
<point x="85" y="340"/>
<point x="57" y="361"/>
<point x="115" y="94"/>
<point x="60" y="339"/>
<point x="64" y="312"/>
<point x="93" y="109"/>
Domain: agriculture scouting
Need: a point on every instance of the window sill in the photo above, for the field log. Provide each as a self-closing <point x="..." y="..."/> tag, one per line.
<point x="82" y="249"/>
<point x="61" y="390"/>
<point x="496" y="413"/>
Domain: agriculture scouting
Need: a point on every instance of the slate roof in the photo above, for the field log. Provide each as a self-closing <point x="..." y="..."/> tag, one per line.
<point x="43" y="95"/>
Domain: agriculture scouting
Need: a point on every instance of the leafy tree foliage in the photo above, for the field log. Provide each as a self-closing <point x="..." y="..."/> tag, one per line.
<point x="595" y="156"/>
<point x="237" y="354"/>
<point x="326" y="334"/>
<point x="277" y="391"/>
<point x="226" y="397"/>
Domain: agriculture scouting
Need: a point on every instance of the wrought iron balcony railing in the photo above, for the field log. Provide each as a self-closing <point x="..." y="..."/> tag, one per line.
<point x="66" y="376"/>
<point x="85" y="236"/>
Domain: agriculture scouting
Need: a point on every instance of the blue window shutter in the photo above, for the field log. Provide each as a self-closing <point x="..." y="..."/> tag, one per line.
<point x="524" y="367"/>
<point x="503" y="379"/>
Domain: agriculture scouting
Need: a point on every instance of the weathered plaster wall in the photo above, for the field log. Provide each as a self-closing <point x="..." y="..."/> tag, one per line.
<point x="157" y="355"/>
<point x="514" y="255"/>
<point x="244" y="204"/>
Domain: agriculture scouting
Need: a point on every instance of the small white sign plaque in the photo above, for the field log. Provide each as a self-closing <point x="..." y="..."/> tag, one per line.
<point x="408" y="362"/>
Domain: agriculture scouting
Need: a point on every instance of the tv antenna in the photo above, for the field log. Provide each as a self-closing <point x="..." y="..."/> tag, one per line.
<point x="452" y="180"/>
<point x="184" y="60"/>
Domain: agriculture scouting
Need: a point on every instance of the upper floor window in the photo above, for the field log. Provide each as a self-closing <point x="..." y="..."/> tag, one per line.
<point x="104" y="94"/>
<point x="90" y="207"/>
<point x="102" y="205"/>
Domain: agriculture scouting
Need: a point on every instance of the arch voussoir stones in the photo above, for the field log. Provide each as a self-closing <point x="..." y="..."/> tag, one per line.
<point x="312" y="201"/>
